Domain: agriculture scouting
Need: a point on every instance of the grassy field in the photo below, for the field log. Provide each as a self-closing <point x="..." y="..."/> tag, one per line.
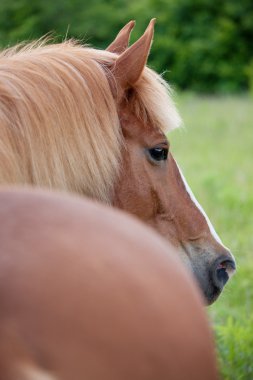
<point x="215" y="151"/>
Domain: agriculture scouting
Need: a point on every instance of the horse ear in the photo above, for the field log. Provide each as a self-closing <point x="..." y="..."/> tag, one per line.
<point x="130" y="64"/>
<point x="120" y="43"/>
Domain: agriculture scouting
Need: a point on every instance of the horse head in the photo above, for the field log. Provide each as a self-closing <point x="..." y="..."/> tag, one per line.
<point x="151" y="184"/>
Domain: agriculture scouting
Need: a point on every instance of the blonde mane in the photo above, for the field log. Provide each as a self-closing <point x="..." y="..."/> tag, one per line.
<point x="59" y="126"/>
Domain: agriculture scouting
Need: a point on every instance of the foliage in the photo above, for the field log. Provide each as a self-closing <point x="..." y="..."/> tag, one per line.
<point x="235" y="342"/>
<point x="207" y="45"/>
<point x="215" y="153"/>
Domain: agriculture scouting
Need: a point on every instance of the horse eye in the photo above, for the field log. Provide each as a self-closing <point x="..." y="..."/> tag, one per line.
<point x="158" y="154"/>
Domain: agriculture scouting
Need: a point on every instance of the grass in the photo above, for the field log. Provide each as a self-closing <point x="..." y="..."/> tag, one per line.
<point x="215" y="151"/>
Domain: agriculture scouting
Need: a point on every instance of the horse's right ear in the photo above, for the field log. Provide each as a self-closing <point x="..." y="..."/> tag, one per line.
<point x="129" y="65"/>
<point x="121" y="41"/>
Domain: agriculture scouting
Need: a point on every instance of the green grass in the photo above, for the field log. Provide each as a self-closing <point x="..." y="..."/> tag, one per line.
<point x="215" y="151"/>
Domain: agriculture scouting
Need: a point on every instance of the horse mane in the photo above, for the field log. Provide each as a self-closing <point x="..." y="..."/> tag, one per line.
<point x="59" y="126"/>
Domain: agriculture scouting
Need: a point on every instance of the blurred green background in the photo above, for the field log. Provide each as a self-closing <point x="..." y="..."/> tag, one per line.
<point x="202" y="45"/>
<point x="215" y="151"/>
<point x="205" y="50"/>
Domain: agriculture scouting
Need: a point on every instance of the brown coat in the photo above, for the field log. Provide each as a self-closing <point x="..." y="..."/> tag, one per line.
<point x="89" y="293"/>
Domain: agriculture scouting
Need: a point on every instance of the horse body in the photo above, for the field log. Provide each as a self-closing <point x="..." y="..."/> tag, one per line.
<point x="93" y="122"/>
<point x="116" y="305"/>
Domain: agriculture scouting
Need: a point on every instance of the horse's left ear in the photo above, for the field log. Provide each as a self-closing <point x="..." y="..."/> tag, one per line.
<point x="129" y="65"/>
<point x="121" y="41"/>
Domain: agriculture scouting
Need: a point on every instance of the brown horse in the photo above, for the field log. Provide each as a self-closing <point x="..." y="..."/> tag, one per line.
<point x="87" y="292"/>
<point x="93" y="122"/>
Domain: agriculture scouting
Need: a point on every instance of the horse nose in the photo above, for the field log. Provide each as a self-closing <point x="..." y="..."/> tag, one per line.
<point x="223" y="269"/>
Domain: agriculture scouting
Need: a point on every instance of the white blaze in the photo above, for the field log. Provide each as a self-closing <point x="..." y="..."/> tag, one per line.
<point x="211" y="228"/>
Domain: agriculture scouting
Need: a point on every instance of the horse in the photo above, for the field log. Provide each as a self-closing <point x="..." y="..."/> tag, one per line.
<point x="94" y="122"/>
<point x="89" y="292"/>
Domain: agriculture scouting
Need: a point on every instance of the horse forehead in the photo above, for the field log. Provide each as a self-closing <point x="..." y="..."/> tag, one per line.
<point x="136" y="128"/>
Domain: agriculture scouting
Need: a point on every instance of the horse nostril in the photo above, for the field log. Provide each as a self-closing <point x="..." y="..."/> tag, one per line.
<point x="222" y="275"/>
<point x="227" y="264"/>
<point x="223" y="270"/>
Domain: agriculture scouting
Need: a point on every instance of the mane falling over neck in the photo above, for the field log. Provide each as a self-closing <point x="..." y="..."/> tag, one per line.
<point x="59" y="126"/>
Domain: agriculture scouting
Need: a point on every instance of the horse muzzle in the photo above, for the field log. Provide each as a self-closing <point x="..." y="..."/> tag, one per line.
<point x="212" y="269"/>
<point x="218" y="274"/>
